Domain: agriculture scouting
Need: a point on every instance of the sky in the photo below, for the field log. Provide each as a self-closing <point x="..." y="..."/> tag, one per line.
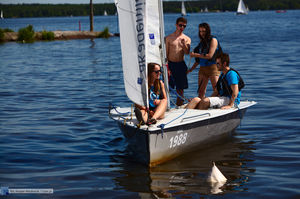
<point x="54" y="1"/>
<point x="57" y="1"/>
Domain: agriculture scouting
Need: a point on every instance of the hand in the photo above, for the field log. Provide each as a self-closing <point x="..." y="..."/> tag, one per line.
<point x="226" y="107"/>
<point x="156" y="102"/>
<point x="182" y="41"/>
<point x="192" y="54"/>
<point x="151" y="113"/>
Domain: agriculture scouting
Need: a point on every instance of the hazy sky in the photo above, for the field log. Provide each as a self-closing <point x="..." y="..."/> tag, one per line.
<point x="55" y="1"/>
<point x="59" y="1"/>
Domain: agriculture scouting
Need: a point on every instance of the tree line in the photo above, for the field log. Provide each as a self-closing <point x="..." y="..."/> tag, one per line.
<point x="57" y="10"/>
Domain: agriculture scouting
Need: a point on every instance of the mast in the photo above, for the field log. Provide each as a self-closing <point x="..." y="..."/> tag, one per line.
<point x="91" y="16"/>
<point x="163" y="50"/>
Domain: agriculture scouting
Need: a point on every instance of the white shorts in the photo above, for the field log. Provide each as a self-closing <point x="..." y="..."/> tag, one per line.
<point x="218" y="102"/>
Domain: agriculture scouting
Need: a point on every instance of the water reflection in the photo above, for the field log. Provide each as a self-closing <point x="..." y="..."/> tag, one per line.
<point x="187" y="175"/>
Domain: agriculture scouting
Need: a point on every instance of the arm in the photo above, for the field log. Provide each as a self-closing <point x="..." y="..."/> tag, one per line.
<point x="186" y="45"/>
<point x="192" y="68"/>
<point x="164" y="97"/>
<point x="235" y="91"/>
<point x="212" y="49"/>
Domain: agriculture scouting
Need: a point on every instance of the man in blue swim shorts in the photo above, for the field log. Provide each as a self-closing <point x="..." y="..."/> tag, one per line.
<point x="178" y="44"/>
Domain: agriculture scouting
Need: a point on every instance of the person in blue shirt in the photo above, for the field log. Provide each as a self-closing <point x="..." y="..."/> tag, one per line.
<point x="205" y="55"/>
<point x="226" y="94"/>
<point x="157" y="98"/>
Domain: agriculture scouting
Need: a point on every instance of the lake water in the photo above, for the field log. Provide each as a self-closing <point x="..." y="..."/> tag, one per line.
<point x="55" y="131"/>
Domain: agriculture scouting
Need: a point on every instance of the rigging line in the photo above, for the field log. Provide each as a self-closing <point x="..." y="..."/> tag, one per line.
<point x="125" y="10"/>
<point x="181" y="97"/>
<point x="162" y="126"/>
<point x="123" y="114"/>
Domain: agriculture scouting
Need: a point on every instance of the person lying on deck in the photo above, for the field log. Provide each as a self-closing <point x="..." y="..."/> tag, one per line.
<point x="157" y="98"/>
<point x="227" y="92"/>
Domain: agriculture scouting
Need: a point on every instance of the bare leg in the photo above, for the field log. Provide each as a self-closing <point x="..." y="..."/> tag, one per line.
<point x="160" y="109"/>
<point x="179" y="101"/>
<point x="202" y="84"/>
<point x="204" y="104"/>
<point x="144" y="114"/>
<point x="143" y="111"/>
<point x="214" y="80"/>
<point x="193" y="103"/>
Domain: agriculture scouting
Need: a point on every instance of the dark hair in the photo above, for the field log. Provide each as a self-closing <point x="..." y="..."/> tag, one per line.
<point x="151" y="67"/>
<point x="207" y="38"/>
<point x="207" y="33"/>
<point x="224" y="58"/>
<point x="181" y="19"/>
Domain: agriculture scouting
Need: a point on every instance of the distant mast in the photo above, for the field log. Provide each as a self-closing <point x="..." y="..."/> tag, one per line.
<point x="91" y="16"/>
<point x="242" y="10"/>
<point x="183" y="11"/>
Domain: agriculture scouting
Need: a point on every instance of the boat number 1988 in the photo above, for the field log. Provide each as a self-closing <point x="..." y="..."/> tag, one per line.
<point x="178" y="140"/>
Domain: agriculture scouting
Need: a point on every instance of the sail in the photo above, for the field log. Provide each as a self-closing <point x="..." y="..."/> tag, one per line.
<point x="242" y="8"/>
<point x="139" y="24"/>
<point x="183" y="11"/>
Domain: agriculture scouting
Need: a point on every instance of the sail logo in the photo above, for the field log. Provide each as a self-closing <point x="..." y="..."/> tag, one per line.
<point x="152" y="38"/>
<point x="139" y="8"/>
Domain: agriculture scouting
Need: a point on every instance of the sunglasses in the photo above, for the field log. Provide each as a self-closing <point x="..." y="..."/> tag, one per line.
<point x="157" y="71"/>
<point x="181" y="25"/>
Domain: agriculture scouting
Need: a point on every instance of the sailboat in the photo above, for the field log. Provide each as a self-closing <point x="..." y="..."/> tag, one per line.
<point x="242" y="9"/>
<point x="1" y="15"/>
<point x="105" y="13"/>
<point x="182" y="130"/>
<point x="183" y="10"/>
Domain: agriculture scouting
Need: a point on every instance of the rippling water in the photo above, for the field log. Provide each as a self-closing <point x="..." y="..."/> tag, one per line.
<point x="55" y="131"/>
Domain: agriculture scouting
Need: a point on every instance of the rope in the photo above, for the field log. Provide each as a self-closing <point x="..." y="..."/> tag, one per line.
<point x="181" y="97"/>
<point x="162" y="126"/>
<point x="110" y="107"/>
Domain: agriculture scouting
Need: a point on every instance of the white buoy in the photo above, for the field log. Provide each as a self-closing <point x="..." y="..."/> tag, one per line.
<point x="216" y="179"/>
<point x="216" y="175"/>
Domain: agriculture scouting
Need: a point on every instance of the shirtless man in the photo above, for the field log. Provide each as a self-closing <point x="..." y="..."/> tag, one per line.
<point x="178" y="44"/>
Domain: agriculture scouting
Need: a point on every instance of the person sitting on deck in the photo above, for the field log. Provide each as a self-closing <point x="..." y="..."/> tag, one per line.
<point x="227" y="92"/>
<point x="157" y="98"/>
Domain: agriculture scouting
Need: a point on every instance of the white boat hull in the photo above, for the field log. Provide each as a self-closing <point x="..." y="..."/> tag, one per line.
<point x="183" y="131"/>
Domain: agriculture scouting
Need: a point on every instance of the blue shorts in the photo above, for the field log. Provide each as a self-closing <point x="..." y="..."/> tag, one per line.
<point x="178" y="76"/>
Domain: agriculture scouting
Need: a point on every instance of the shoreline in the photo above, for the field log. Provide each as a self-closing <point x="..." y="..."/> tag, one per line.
<point x="58" y="35"/>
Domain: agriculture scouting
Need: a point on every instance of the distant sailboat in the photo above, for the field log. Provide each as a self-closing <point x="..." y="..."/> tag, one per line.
<point x="242" y="10"/>
<point x="183" y="10"/>
<point x="1" y="16"/>
<point x="105" y="13"/>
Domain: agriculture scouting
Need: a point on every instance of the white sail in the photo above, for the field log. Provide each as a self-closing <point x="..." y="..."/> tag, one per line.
<point x="139" y="23"/>
<point x="242" y="8"/>
<point x="1" y="15"/>
<point x="183" y="10"/>
<point x="105" y="13"/>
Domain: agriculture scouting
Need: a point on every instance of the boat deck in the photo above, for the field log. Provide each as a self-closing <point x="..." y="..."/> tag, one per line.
<point x="175" y="116"/>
